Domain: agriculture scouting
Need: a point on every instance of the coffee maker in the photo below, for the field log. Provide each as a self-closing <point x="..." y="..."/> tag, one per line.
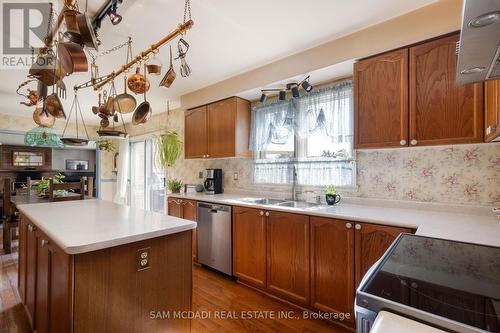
<point x="213" y="181"/>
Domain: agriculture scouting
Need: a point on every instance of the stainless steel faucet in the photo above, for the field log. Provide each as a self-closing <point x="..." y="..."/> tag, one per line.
<point x="294" y="183"/>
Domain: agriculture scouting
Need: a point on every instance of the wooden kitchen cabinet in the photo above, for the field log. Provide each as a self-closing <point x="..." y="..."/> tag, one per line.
<point x="174" y="207"/>
<point x="185" y="209"/>
<point x="21" y="277"/>
<point x="381" y="100"/>
<point x="332" y="265"/>
<point x="371" y="241"/>
<point x="288" y="256"/>
<point x="31" y="259"/>
<point x="492" y="110"/>
<point x="249" y="246"/>
<point x="441" y="112"/>
<point x="219" y="129"/>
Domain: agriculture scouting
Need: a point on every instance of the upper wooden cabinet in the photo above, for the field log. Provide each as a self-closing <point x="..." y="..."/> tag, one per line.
<point x="492" y="110"/>
<point x="381" y="100"/>
<point x="408" y="97"/>
<point x="219" y="129"/>
<point x="440" y="111"/>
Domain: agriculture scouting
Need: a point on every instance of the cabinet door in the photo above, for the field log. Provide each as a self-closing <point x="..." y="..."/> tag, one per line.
<point x="441" y="112"/>
<point x="288" y="256"/>
<point x="60" y="290"/>
<point x="381" y="100"/>
<point x="42" y="284"/>
<point x="31" y="258"/>
<point x="249" y="246"/>
<point x="195" y="133"/>
<point x="21" y="277"/>
<point x="222" y="128"/>
<point x="492" y="110"/>
<point x="332" y="265"/>
<point x="371" y="242"/>
<point x="189" y="212"/>
<point x="174" y="207"/>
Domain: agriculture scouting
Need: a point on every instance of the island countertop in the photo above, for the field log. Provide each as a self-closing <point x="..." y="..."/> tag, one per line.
<point x="88" y="225"/>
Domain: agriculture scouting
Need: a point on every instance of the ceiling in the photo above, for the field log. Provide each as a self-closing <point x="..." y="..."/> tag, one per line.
<point x="229" y="38"/>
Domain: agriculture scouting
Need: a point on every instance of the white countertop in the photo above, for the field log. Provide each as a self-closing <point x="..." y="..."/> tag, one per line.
<point x="87" y="225"/>
<point x="387" y="322"/>
<point x="455" y="222"/>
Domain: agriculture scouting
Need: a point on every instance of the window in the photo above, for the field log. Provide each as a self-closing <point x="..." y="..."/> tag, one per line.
<point x="313" y="133"/>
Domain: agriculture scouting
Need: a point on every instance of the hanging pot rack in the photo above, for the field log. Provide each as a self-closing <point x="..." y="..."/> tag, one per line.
<point x="99" y="82"/>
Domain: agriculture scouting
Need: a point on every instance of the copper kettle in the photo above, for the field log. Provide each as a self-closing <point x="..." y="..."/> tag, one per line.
<point x="138" y="83"/>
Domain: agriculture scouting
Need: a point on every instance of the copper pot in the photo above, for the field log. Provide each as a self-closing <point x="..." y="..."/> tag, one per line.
<point x="72" y="32"/>
<point x="125" y="103"/>
<point x="87" y="33"/>
<point x="138" y="83"/>
<point x="72" y="57"/>
<point x="42" y="118"/>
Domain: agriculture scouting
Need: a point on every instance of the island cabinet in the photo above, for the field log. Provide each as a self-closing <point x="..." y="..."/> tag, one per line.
<point x="185" y="209"/>
<point x="106" y="290"/>
<point x="408" y="97"/>
<point x="219" y="129"/>
<point x="492" y="110"/>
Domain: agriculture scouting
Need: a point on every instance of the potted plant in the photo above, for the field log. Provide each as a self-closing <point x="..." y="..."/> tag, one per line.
<point x="43" y="186"/>
<point x="105" y="145"/>
<point x="174" y="185"/>
<point x="332" y="197"/>
<point x="169" y="149"/>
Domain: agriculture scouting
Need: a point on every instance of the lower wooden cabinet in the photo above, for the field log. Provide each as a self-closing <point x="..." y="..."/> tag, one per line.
<point x="332" y="265"/>
<point x="249" y="246"/>
<point x="185" y="209"/>
<point x="371" y="241"/>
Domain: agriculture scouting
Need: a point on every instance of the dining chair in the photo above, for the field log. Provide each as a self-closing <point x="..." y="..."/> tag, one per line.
<point x="89" y="186"/>
<point x="31" y="183"/>
<point x="67" y="187"/>
<point x="10" y="220"/>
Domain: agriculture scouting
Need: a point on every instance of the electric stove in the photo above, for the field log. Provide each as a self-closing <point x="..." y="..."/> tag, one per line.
<point x="450" y="285"/>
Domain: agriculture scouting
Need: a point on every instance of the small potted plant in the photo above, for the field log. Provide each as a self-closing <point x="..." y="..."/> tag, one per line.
<point x="332" y="197"/>
<point x="105" y="145"/>
<point x="174" y="185"/>
<point x="43" y="186"/>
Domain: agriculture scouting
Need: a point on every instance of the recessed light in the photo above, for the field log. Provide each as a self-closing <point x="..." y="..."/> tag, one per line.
<point x="472" y="70"/>
<point x="485" y="19"/>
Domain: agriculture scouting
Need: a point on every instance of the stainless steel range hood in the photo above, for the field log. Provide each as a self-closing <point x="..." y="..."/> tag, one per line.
<point x="479" y="48"/>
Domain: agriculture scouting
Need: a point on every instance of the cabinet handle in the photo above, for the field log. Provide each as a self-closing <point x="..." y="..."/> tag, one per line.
<point x="402" y="142"/>
<point x="261" y="213"/>
<point x="413" y="142"/>
<point x="348" y="225"/>
<point x="45" y="242"/>
<point x="358" y="226"/>
<point x="267" y="213"/>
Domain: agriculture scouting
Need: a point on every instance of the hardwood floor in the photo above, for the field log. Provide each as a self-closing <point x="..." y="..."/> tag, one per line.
<point x="212" y="294"/>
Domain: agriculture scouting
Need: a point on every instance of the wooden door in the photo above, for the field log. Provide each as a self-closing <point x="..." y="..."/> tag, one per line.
<point x="249" y="246"/>
<point x="441" y="112"/>
<point x="31" y="268"/>
<point x="195" y="133"/>
<point x="371" y="242"/>
<point x="492" y="110"/>
<point x="381" y="101"/>
<point x="288" y="256"/>
<point x="189" y="212"/>
<point x="42" y="284"/>
<point x="332" y="265"/>
<point x="174" y="207"/>
<point x="222" y="128"/>
<point x="21" y="277"/>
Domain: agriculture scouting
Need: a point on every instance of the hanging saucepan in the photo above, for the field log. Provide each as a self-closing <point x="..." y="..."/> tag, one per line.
<point x="72" y="32"/>
<point x="88" y="37"/>
<point x="42" y="118"/>
<point x="54" y="106"/>
<point x="72" y="57"/>
<point x="143" y="111"/>
<point x="125" y="103"/>
<point x="138" y="83"/>
<point x="47" y="69"/>
<point x="169" y="77"/>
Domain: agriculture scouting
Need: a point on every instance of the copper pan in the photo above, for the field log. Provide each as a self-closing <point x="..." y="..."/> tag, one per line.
<point x="72" y="32"/>
<point x="169" y="77"/>
<point x="125" y="103"/>
<point x="143" y="111"/>
<point x="72" y="57"/>
<point x="87" y="33"/>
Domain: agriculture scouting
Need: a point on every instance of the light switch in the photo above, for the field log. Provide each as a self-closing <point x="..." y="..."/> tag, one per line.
<point x="143" y="259"/>
<point x="235" y="177"/>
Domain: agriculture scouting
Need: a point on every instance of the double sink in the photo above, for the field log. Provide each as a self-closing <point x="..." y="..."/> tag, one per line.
<point x="280" y="203"/>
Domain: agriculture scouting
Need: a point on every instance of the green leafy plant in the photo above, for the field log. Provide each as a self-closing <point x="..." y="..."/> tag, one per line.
<point x="105" y="144"/>
<point x="168" y="149"/>
<point x="330" y="190"/>
<point x="174" y="185"/>
<point x="43" y="186"/>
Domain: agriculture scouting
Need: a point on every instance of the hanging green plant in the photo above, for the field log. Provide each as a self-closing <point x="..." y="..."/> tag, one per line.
<point x="168" y="149"/>
<point x="43" y="186"/>
<point x="105" y="145"/>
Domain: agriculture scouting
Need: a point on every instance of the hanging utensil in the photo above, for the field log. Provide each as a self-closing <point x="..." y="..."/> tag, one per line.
<point x="42" y="118"/>
<point x="104" y="122"/>
<point x="87" y="33"/>
<point x="73" y="58"/>
<point x="154" y="65"/>
<point x="75" y="141"/>
<point x="52" y="103"/>
<point x="46" y="68"/>
<point x="95" y="109"/>
<point x="169" y="77"/>
<point x="72" y="32"/>
<point x="138" y="83"/>
<point x="125" y="103"/>
<point x="143" y="111"/>
<point x="184" y="68"/>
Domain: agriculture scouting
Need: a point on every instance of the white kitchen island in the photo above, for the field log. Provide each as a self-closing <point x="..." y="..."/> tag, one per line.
<point x="96" y="266"/>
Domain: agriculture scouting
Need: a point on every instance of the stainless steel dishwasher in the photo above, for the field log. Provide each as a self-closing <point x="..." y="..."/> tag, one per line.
<point x="214" y="237"/>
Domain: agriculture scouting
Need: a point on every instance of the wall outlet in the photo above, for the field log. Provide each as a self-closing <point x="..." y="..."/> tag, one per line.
<point x="235" y="176"/>
<point x="200" y="174"/>
<point x="143" y="259"/>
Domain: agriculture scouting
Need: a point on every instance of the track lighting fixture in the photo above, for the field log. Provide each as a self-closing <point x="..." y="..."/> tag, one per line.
<point x="110" y="9"/>
<point x="114" y="16"/>
<point x="291" y="86"/>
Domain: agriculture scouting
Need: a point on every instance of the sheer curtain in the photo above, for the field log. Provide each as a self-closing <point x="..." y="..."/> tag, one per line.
<point x="322" y="122"/>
